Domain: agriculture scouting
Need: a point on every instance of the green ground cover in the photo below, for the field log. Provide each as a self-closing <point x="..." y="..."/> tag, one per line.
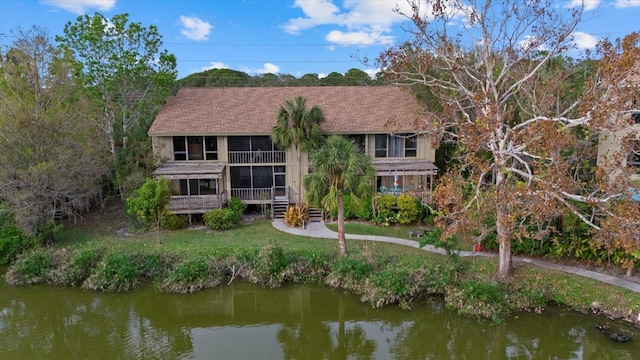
<point x="98" y="254"/>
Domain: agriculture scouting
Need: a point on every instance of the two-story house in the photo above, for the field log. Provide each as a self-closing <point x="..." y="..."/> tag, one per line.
<point x="214" y="143"/>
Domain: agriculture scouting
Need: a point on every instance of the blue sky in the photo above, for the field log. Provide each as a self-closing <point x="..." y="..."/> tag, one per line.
<point x="279" y="36"/>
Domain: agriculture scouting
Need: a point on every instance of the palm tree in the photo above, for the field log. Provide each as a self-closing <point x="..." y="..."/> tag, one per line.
<point x="298" y="128"/>
<point x="339" y="167"/>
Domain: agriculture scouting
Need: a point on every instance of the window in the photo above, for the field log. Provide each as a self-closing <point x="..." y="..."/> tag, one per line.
<point x="179" y="148"/>
<point x="211" y="147"/>
<point x="358" y="140"/>
<point x="195" y="148"/>
<point x="251" y="143"/>
<point x="410" y="147"/>
<point x="253" y="150"/>
<point x="257" y="177"/>
<point x="401" y="145"/>
<point x="636" y="116"/>
<point x="381" y="145"/>
<point x="197" y="187"/>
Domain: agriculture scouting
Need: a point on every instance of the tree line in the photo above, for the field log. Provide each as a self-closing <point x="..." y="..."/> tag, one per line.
<point x="235" y="78"/>
<point x="74" y="116"/>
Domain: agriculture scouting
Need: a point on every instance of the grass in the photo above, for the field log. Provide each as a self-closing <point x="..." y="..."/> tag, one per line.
<point x="202" y="241"/>
<point x="369" y="229"/>
<point x="104" y="231"/>
<point x="397" y="231"/>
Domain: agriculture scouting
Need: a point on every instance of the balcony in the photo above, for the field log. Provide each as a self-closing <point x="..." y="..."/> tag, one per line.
<point x="196" y="204"/>
<point x="253" y="195"/>
<point x="256" y="157"/>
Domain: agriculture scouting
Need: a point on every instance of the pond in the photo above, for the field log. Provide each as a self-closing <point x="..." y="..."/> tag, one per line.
<point x="245" y="321"/>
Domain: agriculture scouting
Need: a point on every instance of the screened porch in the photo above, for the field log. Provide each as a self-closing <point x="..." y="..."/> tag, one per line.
<point x="196" y="187"/>
<point x="401" y="175"/>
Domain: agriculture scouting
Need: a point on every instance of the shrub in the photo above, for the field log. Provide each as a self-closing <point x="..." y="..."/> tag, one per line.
<point x="357" y="268"/>
<point x="174" y="222"/>
<point x="295" y="215"/>
<point x="81" y="265"/>
<point x="13" y="241"/>
<point x="365" y="211"/>
<point x="116" y="272"/>
<point x="434" y="237"/>
<point x="408" y="209"/>
<point x="152" y="265"/>
<point x="395" y="285"/>
<point x="237" y="206"/>
<point x="351" y="208"/>
<point x="150" y="202"/>
<point x="192" y="275"/>
<point x="221" y="219"/>
<point x="478" y="298"/>
<point x="269" y="266"/>
<point x="30" y="268"/>
<point x="386" y="204"/>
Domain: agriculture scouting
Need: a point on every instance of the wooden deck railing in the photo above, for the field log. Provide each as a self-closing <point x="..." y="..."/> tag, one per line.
<point x="252" y="194"/>
<point x="197" y="202"/>
<point x="256" y="157"/>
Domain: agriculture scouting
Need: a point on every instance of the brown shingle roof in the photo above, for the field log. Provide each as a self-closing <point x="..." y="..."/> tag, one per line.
<point x="253" y="110"/>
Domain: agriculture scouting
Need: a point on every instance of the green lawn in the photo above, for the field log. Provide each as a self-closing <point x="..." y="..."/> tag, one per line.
<point x="397" y="231"/>
<point x="361" y="228"/>
<point x="201" y="240"/>
<point x="109" y="231"/>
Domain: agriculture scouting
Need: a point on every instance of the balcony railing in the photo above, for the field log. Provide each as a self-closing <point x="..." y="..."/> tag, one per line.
<point x="196" y="202"/>
<point x="252" y="194"/>
<point x="256" y="157"/>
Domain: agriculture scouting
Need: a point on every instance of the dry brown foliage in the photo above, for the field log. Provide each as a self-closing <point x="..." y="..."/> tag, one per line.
<point x="525" y="118"/>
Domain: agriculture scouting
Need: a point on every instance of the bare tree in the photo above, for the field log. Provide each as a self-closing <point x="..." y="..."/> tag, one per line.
<point x="50" y="157"/>
<point x="498" y="80"/>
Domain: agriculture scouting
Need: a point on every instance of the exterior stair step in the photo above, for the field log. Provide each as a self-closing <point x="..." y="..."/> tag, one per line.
<point x="315" y="215"/>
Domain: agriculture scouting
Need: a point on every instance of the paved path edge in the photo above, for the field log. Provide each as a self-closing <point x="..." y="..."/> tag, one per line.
<point x="320" y="230"/>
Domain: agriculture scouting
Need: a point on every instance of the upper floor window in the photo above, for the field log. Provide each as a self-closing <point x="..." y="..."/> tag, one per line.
<point x="358" y="139"/>
<point x="195" y="148"/>
<point x="253" y="150"/>
<point x="400" y="145"/>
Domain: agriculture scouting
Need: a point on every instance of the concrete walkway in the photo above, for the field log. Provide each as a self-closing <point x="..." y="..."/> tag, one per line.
<point x="319" y="230"/>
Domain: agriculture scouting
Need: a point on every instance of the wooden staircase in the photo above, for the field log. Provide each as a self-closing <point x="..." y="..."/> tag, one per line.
<point x="279" y="205"/>
<point x="278" y="208"/>
<point x="315" y="215"/>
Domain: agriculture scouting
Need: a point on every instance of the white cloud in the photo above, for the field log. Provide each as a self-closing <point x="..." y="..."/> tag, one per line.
<point x="584" y="40"/>
<point x="214" y="65"/>
<point x="372" y="72"/>
<point x="195" y="28"/>
<point x="358" y="38"/>
<point x="627" y="3"/>
<point x="318" y="12"/>
<point x="531" y="42"/>
<point x="81" y="6"/>
<point x="268" y="68"/>
<point x="365" y="22"/>
<point x="588" y="4"/>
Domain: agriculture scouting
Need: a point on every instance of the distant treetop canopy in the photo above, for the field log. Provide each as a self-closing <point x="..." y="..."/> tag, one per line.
<point x="235" y="78"/>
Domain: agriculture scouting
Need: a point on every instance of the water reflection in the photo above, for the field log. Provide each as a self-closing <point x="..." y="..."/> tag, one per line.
<point x="243" y="321"/>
